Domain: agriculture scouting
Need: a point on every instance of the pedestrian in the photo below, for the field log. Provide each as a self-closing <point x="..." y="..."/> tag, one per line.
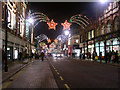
<point x="116" y="57"/>
<point x="42" y="55"/>
<point x="113" y="57"/>
<point x="106" y="56"/>
<point x="89" y="55"/>
<point x="94" y="55"/>
<point x="109" y="58"/>
<point x="20" y="55"/>
<point x="23" y="55"/>
<point x="3" y="57"/>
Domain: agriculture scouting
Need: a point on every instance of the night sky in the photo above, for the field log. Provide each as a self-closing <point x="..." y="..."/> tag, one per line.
<point x="59" y="12"/>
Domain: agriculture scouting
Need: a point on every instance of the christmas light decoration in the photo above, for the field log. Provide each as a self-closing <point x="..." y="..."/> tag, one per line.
<point x="41" y="37"/>
<point x="49" y="41"/>
<point x="39" y="17"/>
<point x="66" y="25"/>
<point x="81" y="20"/>
<point x="52" y="25"/>
<point x="56" y="40"/>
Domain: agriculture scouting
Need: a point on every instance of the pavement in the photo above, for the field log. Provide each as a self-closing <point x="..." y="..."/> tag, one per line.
<point x="13" y="68"/>
<point x="97" y="61"/>
<point x="34" y="74"/>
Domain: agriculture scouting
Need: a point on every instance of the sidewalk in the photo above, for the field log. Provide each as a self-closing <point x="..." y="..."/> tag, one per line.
<point x="98" y="61"/>
<point x="36" y="75"/>
<point x="13" y="68"/>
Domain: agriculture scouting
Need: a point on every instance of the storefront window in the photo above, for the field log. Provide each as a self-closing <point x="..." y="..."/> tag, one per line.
<point x="97" y="44"/>
<point x="116" y="24"/>
<point x="102" y="48"/>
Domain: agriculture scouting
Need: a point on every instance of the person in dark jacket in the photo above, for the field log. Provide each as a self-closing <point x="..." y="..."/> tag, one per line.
<point x="3" y="58"/>
<point x="42" y="56"/>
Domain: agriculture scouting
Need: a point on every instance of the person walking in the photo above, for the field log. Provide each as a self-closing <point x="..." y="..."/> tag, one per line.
<point x="89" y="54"/>
<point x="20" y="55"/>
<point x="94" y="55"/>
<point x="116" y="57"/>
<point x="23" y="55"/>
<point x="42" y="56"/>
<point x="100" y="57"/>
<point x="106" y="56"/>
<point x="3" y="58"/>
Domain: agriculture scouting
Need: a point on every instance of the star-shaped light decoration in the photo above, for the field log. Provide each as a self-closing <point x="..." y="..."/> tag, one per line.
<point x="49" y="41"/>
<point x="52" y="25"/>
<point x="56" y="40"/>
<point x="66" y="25"/>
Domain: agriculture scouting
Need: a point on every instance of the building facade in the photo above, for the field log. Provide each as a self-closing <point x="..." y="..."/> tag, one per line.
<point x="103" y="35"/>
<point x="16" y="27"/>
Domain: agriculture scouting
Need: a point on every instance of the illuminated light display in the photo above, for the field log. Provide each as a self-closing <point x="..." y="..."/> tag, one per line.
<point x="81" y="20"/>
<point x="66" y="25"/>
<point x="56" y="40"/>
<point x="40" y="17"/>
<point x="49" y="41"/>
<point x="52" y="25"/>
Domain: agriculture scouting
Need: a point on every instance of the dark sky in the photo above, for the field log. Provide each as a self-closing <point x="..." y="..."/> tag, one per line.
<point x="59" y="12"/>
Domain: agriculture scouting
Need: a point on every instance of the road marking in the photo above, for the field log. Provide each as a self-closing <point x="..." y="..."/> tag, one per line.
<point x="56" y="70"/>
<point x="61" y="78"/>
<point x="67" y="86"/>
<point x="58" y="73"/>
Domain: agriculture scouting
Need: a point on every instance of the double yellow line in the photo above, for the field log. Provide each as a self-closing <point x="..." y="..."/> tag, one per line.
<point x="66" y="85"/>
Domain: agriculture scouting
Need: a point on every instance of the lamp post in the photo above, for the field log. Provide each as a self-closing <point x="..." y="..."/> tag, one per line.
<point x="6" y="28"/>
<point x="31" y="21"/>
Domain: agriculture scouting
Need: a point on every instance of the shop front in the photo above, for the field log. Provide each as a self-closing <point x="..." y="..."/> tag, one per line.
<point x="91" y="46"/>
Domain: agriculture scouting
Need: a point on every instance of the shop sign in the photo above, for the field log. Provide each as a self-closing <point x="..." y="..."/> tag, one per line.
<point x="90" y="42"/>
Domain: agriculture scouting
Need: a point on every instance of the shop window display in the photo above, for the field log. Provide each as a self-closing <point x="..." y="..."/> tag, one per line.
<point x="97" y="48"/>
<point x="102" y="48"/>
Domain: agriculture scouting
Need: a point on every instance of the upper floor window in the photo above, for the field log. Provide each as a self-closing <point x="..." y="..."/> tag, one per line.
<point x="102" y="29"/>
<point x="98" y="31"/>
<point x="91" y="34"/>
<point x="108" y="27"/>
<point x="116" y="24"/>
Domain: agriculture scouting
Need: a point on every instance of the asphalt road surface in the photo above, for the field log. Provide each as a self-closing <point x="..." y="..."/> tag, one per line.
<point x="73" y="73"/>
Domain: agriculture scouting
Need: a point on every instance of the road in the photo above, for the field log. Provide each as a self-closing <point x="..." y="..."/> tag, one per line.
<point x="73" y="73"/>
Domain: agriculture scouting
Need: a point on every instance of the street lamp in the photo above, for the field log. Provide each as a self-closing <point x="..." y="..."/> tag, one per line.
<point x="103" y="1"/>
<point x="31" y="21"/>
<point x="66" y="32"/>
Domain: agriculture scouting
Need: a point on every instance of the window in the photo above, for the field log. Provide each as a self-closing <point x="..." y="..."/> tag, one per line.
<point x="98" y="31"/>
<point x="116" y="24"/>
<point x="102" y="29"/>
<point x="91" y="34"/>
<point x="109" y="27"/>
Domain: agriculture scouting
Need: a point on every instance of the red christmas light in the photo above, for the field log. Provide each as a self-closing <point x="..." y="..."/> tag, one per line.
<point x="49" y="41"/>
<point x="66" y="25"/>
<point x="56" y="41"/>
<point x="52" y="25"/>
